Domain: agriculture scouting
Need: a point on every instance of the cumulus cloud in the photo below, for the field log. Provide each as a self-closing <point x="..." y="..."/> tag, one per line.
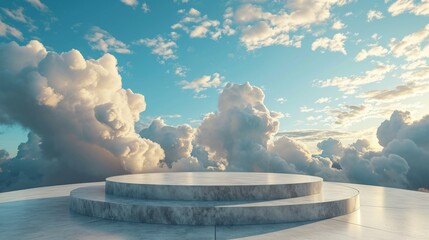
<point x="164" y="48"/>
<point x="375" y="51"/>
<point x="401" y="6"/>
<point x="202" y="83"/>
<point x="80" y="116"/>
<point x="336" y="44"/>
<point x="7" y="30"/>
<point x="101" y="40"/>
<point x="409" y="140"/>
<point x="239" y="133"/>
<point x="85" y="131"/>
<point x="374" y="15"/>
<point x="176" y="141"/>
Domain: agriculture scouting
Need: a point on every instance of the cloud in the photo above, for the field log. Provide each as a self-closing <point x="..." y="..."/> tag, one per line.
<point x="375" y="51"/>
<point x="336" y="44"/>
<point x="239" y="133"/>
<point x="323" y="100"/>
<point x="401" y="6"/>
<point x="330" y="147"/>
<point x="374" y="15"/>
<point x="145" y="8"/>
<point x="79" y="115"/>
<point x="397" y="93"/>
<point x="338" y="25"/>
<point x="180" y="71"/>
<point x="176" y="141"/>
<point x="202" y="83"/>
<point x="101" y="40"/>
<point x="349" y="113"/>
<point x="260" y="28"/>
<point x="348" y="85"/>
<point x="410" y="46"/>
<point x="7" y="30"/>
<point x="281" y="100"/>
<point x="132" y="3"/>
<point x="200" y="26"/>
<point x="305" y="109"/>
<point x="38" y="5"/>
<point x="409" y="140"/>
<point x="18" y="15"/>
<point x="313" y="135"/>
<point x="164" y="48"/>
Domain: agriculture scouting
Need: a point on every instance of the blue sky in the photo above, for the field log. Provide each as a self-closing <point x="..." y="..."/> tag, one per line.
<point x="306" y="62"/>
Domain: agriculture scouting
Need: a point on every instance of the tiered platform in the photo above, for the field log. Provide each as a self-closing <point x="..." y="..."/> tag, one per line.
<point x="43" y="213"/>
<point x="215" y="198"/>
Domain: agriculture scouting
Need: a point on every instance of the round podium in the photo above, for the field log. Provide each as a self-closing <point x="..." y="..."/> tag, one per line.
<point x="215" y="198"/>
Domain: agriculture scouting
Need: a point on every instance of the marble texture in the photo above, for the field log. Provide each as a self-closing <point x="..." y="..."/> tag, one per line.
<point x="213" y="186"/>
<point x="334" y="200"/>
<point x="385" y="213"/>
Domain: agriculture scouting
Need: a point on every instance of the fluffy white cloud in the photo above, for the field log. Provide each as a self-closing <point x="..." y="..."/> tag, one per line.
<point x="38" y="5"/>
<point x="375" y="51"/>
<point x="200" y="26"/>
<point x="281" y="100"/>
<point x="323" y="100"/>
<point x="176" y="141"/>
<point x="132" y="3"/>
<point x="261" y="28"/>
<point x="164" y="48"/>
<point x="101" y="40"/>
<point x="79" y="110"/>
<point x="7" y="30"/>
<point x="336" y="44"/>
<point x="349" y="84"/>
<point x="202" y="83"/>
<point x="401" y="6"/>
<point x="337" y="25"/>
<point x="374" y="15"/>
<point x="240" y="132"/>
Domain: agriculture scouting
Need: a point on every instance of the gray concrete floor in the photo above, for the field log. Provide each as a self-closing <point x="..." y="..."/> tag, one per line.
<point x="43" y="213"/>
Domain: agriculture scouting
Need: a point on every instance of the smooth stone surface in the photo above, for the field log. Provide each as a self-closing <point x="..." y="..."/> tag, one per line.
<point x="334" y="200"/>
<point x="42" y="213"/>
<point x="213" y="186"/>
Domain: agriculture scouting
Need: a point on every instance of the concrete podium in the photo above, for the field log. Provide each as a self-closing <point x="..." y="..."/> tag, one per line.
<point x="215" y="198"/>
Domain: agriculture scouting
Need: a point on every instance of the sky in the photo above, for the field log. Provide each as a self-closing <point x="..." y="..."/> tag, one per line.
<point x="147" y="83"/>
